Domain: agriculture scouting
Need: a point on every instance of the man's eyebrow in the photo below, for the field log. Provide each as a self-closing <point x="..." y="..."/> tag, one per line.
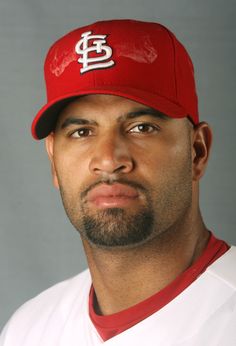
<point x="77" y="121"/>
<point x="143" y="111"/>
<point x="130" y="115"/>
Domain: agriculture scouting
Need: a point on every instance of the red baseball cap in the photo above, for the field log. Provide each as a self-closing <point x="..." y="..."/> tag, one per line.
<point x="141" y="61"/>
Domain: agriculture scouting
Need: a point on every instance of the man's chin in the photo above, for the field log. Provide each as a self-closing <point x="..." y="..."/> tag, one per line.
<point x="113" y="228"/>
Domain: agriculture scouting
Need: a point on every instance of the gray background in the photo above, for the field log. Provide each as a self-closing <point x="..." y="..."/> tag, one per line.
<point x="38" y="246"/>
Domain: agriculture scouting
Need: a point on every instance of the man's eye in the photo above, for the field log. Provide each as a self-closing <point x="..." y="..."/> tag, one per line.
<point x="144" y="128"/>
<point x="83" y="132"/>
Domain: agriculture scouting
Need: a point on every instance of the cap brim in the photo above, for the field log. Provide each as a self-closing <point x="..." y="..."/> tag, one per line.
<point x="45" y="121"/>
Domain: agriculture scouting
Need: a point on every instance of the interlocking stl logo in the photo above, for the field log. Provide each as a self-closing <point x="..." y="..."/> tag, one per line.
<point x="99" y="46"/>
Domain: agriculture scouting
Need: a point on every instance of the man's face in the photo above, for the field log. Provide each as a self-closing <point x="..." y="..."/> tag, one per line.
<point x="124" y="171"/>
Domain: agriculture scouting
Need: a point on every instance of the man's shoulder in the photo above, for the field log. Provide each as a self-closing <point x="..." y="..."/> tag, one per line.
<point x="63" y="290"/>
<point x="58" y="299"/>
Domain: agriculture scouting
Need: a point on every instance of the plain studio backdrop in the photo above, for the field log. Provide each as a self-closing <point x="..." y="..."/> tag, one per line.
<point x="38" y="246"/>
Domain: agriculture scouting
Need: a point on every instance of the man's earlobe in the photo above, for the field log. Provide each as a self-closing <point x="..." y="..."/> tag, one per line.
<point x="49" y="143"/>
<point x="201" y="146"/>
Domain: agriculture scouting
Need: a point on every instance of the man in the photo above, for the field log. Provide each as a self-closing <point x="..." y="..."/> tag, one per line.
<point x="127" y="152"/>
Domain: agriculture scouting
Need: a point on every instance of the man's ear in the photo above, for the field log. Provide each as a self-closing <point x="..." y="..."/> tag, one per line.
<point x="201" y="146"/>
<point x="49" y="143"/>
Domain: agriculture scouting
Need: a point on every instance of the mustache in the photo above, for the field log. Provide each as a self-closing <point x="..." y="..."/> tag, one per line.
<point x="108" y="181"/>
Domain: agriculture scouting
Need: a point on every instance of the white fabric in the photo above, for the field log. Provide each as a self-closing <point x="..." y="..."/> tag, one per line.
<point x="204" y="314"/>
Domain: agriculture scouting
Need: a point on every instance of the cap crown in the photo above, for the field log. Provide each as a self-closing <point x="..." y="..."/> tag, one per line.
<point x="139" y="60"/>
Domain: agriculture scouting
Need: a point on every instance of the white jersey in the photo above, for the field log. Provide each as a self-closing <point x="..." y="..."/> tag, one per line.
<point x="204" y="314"/>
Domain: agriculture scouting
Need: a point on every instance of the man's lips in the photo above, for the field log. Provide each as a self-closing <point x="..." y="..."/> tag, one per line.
<point x="112" y="195"/>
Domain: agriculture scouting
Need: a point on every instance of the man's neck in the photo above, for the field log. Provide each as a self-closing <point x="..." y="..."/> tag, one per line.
<point x="123" y="278"/>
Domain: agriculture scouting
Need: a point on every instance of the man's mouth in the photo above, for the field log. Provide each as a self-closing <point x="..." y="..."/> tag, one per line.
<point x="112" y="196"/>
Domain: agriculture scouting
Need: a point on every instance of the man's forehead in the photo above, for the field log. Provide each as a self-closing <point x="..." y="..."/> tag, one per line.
<point x="98" y="105"/>
<point x="101" y="100"/>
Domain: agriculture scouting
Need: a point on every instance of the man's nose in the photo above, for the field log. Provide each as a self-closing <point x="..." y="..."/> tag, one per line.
<point x="111" y="155"/>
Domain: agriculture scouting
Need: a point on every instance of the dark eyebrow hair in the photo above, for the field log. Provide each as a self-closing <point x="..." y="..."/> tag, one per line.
<point x="77" y="121"/>
<point x="144" y="111"/>
<point x="130" y="115"/>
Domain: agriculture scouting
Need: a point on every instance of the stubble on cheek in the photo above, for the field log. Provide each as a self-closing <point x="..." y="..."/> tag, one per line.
<point x="178" y="195"/>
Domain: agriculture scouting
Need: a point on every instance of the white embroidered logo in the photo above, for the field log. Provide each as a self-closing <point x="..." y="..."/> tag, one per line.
<point x="98" y="46"/>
